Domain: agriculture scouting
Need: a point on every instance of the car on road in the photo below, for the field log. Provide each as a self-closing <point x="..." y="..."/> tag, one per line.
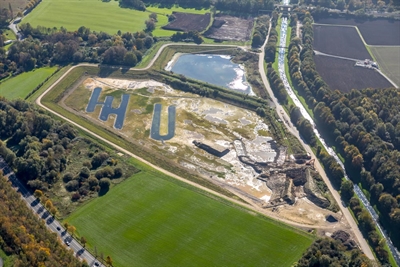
<point x="96" y="263"/>
<point x="67" y="242"/>
<point x="58" y="228"/>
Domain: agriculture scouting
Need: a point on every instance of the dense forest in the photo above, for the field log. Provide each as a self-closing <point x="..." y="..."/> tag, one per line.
<point x="46" y="154"/>
<point x="44" y="46"/>
<point x="364" y="128"/>
<point x="25" y="235"/>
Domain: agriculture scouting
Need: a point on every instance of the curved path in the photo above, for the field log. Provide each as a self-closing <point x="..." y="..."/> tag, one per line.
<point x="281" y="114"/>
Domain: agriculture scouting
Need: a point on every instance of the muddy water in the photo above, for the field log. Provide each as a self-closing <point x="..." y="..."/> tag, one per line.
<point x="213" y="69"/>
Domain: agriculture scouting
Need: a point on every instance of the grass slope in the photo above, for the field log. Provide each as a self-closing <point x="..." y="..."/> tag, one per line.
<point x="103" y="16"/>
<point x="388" y="59"/>
<point x="20" y="86"/>
<point x="153" y="220"/>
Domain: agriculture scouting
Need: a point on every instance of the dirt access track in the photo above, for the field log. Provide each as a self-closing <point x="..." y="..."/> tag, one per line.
<point x="341" y="74"/>
<point x="189" y="22"/>
<point x="374" y="32"/>
<point x="339" y="41"/>
<point x="228" y="28"/>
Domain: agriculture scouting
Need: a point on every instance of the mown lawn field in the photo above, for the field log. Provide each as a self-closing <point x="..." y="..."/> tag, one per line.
<point x="103" y="16"/>
<point x="154" y="220"/>
<point x="20" y="86"/>
<point x="388" y="59"/>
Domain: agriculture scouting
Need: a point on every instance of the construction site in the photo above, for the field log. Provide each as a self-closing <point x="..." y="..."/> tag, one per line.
<point x="228" y="145"/>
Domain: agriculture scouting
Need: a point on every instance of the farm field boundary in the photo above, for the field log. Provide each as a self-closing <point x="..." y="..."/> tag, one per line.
<point x="339" y="40"/>
<point x="375" y="32"/>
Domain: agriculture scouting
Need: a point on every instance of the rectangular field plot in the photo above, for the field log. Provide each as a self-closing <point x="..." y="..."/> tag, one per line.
<point x="152" y="220"/>
<point x="339" y="41"/>
<point x="374" y="32"/>
<point x="189" y="22"/>
<point x="230" y="28"/>
<point x="342" y="75"/>
<point x="21" y="85"/>
<point x="389" y="61"/>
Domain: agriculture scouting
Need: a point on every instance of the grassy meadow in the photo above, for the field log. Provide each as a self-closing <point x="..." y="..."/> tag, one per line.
<point x="21" y="85"/>
<point x="388" y="59"/>
<point x="153" y="220"/>
<point x="103" y="16"/>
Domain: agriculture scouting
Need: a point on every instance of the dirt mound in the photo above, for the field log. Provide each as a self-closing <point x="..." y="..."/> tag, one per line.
<point x="344" y="237"/>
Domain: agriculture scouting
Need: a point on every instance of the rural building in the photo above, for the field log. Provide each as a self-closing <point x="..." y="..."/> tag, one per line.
<point x="215" y="150"/>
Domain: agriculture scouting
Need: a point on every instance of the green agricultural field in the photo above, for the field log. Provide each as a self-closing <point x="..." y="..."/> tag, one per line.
<point x="153" y="220"/>
<point x="21" y="85"/>
<point x="104" y="16"/>
<point x="388" y="59"/>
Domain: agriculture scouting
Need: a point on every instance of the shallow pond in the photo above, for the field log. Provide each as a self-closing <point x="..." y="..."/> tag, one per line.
<point x="214" y="69"/>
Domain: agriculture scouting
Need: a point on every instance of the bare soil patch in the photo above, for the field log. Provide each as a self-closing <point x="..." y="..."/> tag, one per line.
<point x="374" y="32"/>
<point x="228" y="28"/>
<point x="16" y="5"/>
<point x="339" y="41"/>
<point x="189" y="22"/>
<point x="343" y="75"/>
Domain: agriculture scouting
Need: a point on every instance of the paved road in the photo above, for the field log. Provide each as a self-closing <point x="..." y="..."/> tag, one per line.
<point x="14" y="27"/>
<point x="51" y="223"/>
<point x="286" y="120"/>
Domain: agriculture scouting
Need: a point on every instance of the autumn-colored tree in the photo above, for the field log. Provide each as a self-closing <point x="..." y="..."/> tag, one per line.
<point x="66" y="225"/>
<point x="109" y="261"/>
<point x="48" y="204"/>
<point x="38" y="193"/>
<point x="53" y="211"/>
<point x="83" y="241"/>
<point x="71" y="229"/>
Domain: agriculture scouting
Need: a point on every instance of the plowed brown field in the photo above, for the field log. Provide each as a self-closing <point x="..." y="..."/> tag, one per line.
<point x="189" y="22"/>
<point x="342" y="75"/>
<point x="374" y="32"/>
<point x="339" y="41"/>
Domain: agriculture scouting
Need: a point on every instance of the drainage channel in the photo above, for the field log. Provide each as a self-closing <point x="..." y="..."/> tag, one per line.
<point x="289" y="90"/>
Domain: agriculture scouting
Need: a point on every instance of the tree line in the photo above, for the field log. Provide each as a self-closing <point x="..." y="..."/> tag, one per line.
<point x="260" y="31"/>
<point x="364" y="127"/>
<point x="47" y="46"/>
<point x="270" y="48"/>
<point x="191" y="36"/>
<point x="25" y="236"/>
